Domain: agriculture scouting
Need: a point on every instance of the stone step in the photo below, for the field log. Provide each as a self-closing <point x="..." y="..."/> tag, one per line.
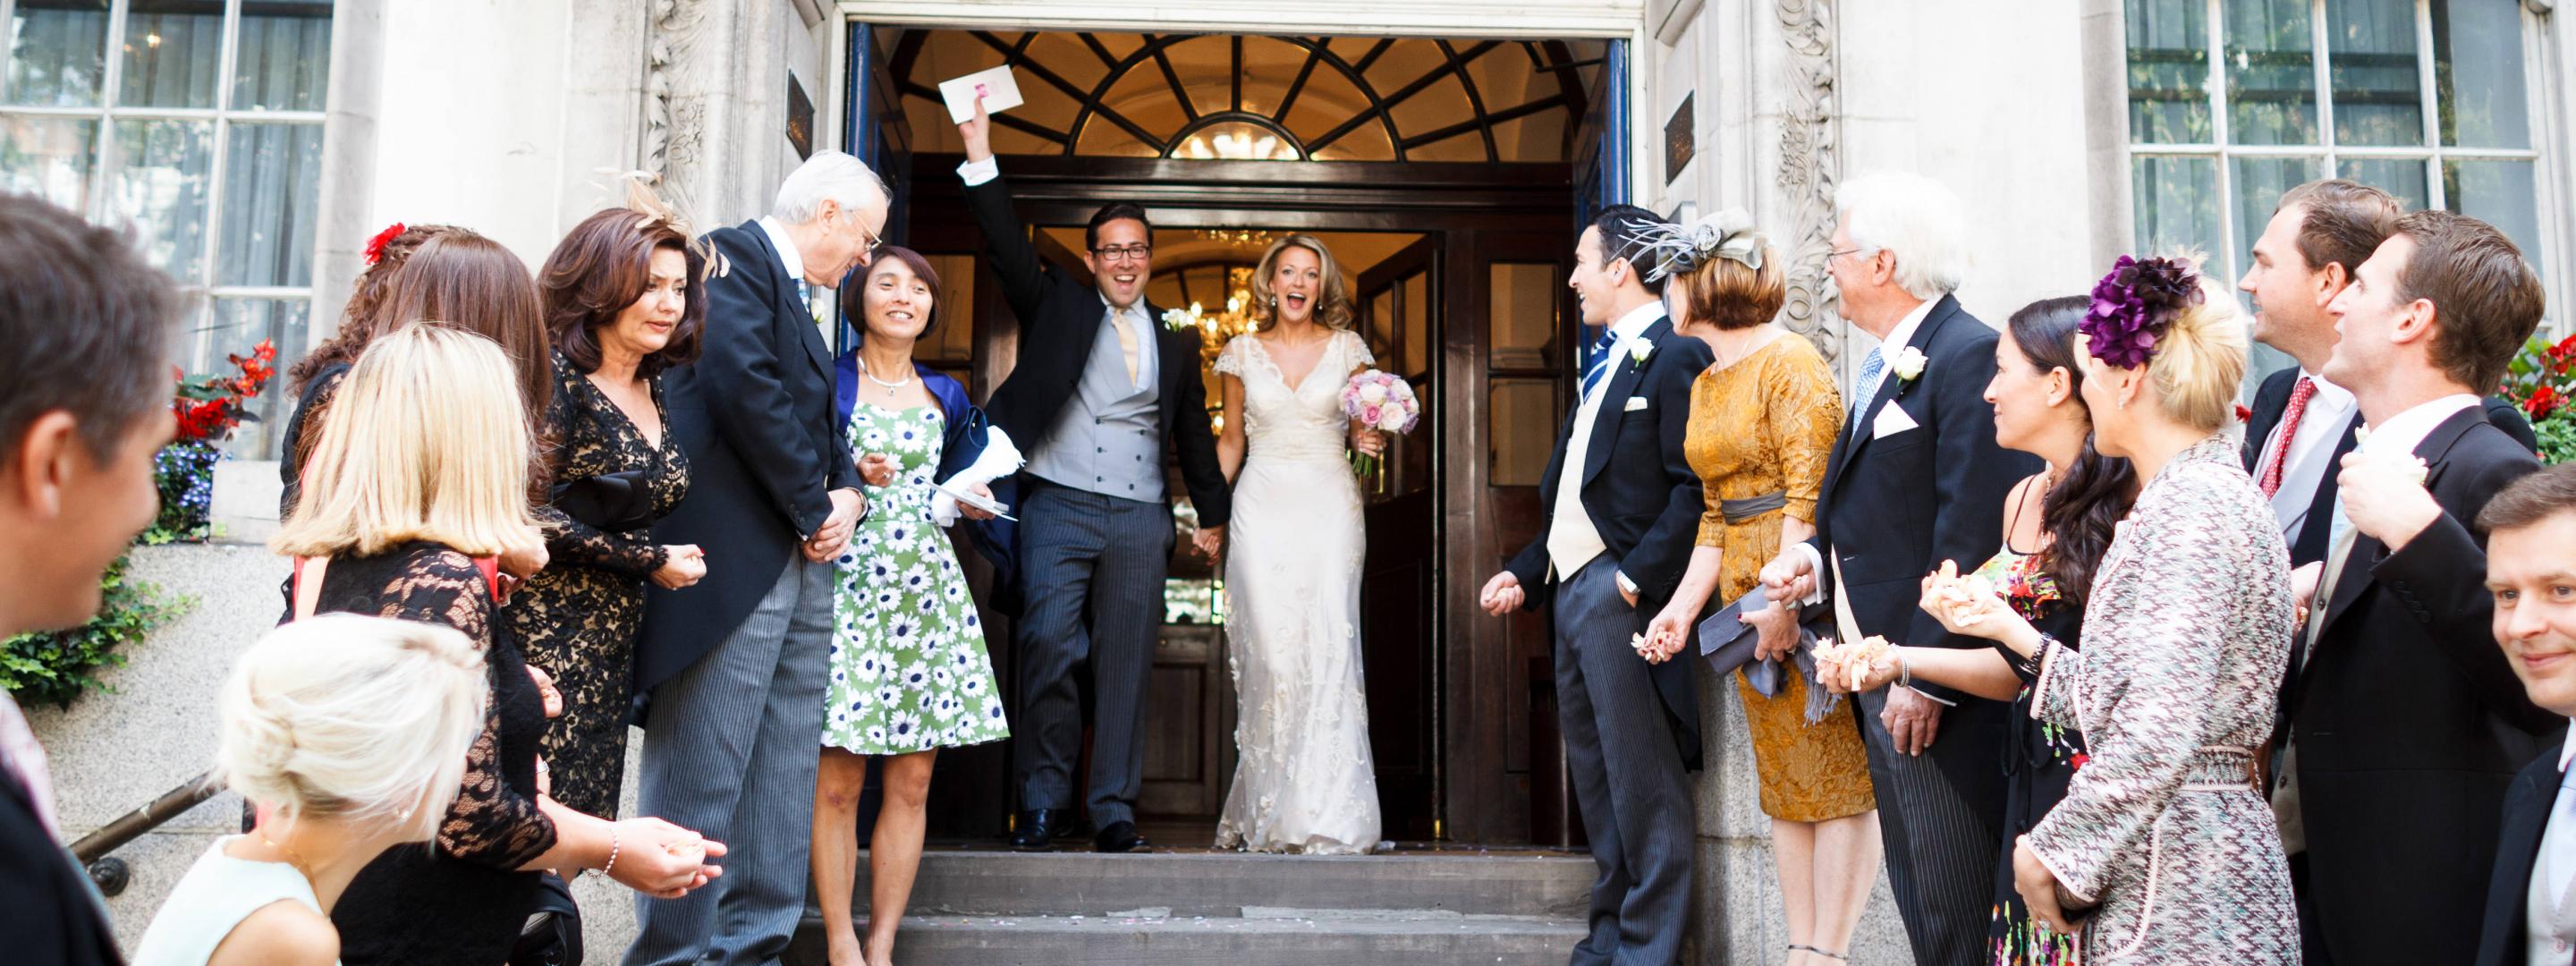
<point x="1265" y="937"/>
<point x="1191" y="884"/>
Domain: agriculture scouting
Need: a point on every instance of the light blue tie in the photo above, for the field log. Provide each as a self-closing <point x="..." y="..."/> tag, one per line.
<point x="1600" y="365"/>
<point x="1872" y="367"/>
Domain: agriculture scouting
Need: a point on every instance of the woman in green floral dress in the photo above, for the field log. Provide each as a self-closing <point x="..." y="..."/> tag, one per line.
<point x="909" y="674"/>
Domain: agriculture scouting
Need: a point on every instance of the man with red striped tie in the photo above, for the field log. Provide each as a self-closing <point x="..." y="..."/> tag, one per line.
<point x="2302" y="425"/>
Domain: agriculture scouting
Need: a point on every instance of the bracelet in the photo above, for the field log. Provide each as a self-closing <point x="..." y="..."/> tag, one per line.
<point x="613" y="845"/>
<point x="1904" y="671"/>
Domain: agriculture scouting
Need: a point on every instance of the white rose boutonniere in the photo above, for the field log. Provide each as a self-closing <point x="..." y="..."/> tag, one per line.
<point x="1179" y="319"/>
<point x="1908" y="364"/>
<point x="1639" y="350"/>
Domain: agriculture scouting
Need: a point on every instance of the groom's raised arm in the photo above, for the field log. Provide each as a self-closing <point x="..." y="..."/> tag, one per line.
<point x="1006" y="238"/>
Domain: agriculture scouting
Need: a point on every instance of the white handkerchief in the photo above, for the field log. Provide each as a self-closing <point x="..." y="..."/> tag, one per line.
<point x="1001" y="93"/>
<point x="1635" y="403"/>
<point x="999" y="459"/>
<point x="1890" y="421"/>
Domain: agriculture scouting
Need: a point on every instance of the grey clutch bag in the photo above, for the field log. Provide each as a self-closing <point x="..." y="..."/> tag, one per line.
<point x="1726" y="642"/>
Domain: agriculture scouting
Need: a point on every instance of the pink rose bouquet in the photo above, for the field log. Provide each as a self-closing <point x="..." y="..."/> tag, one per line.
<point x="1382" y="401"/>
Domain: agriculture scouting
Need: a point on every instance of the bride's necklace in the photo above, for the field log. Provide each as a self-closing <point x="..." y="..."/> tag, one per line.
<point x="872" y="377"/>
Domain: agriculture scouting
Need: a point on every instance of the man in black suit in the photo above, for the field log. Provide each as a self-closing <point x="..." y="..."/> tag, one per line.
<point x="2404" y="726"/>
<point x="1915" y="479"/>
<point x="84" y="403"/>
<point x="2531" y="574"/>
<point x="734" y="667"/>
<point x="1102" y="391"/>
<point x="1623" y="509"/>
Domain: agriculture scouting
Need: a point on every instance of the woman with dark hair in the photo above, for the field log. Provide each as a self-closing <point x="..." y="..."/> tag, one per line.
<point x="621" y="296"/>
<point x="910" y="674"/>
<point x="318" y="373"/>
<point x="2056" y="527"/>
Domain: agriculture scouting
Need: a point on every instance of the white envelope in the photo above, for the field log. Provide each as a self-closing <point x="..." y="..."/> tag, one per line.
<point x="1890" y="421"/>
<point x="1635" y="403"/>
<point x="1001" y="93"/>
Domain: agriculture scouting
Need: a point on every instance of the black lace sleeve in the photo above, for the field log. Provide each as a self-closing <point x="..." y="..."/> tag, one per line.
<point x="490" y="823"/>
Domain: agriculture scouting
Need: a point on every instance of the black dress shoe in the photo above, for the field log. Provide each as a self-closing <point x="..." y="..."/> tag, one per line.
<point x="1039" y="828"/>
<point x="1120" y="837"/>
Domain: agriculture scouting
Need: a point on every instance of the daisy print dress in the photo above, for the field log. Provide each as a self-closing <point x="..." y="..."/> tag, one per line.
<point x="909" y="672"/>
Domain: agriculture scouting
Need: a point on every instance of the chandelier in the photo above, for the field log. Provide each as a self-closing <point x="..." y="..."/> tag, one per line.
<point x="1218" y="328"/>
<point x="1239" y="237"/>
<point x="1237" y="141"/>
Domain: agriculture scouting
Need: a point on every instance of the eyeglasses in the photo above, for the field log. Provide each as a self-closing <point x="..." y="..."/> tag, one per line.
<point x="1124" y="253"/>
<point x="1840" y="252"/>
<point x="875" y="240"/>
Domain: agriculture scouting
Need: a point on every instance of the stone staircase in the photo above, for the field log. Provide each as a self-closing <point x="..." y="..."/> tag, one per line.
<point x="1407" y="908"/>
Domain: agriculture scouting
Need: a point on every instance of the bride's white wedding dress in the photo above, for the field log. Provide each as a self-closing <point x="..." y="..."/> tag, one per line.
<point x="1304" y="780"/>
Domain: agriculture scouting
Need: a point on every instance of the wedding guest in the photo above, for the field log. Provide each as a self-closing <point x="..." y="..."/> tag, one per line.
<point x="2531" y="577"/>
<point x="1102" y="393"/>
<point x="426" y="486"/>
<point x="1610" y="552"/>
<point x="734" y="668"/>
<point x="1915" y="479"/>
<point x="84" y="405"/>
<point x="624" y="301"/>
<point x="2056" y="526"/>
<point x="909" y="672"/>
<point x="2400" y="718"/>
<point x="2162" y="849"/>
<point x="1762" y="419"/>
<point x="313" y="377"/>
<point x="350" y="736"/>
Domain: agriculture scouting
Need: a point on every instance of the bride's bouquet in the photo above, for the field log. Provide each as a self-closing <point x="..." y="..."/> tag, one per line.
<point x="1381" y="401"/>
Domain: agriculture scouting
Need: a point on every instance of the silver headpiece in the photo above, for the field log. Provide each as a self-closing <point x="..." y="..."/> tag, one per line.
<point x="1675" y="249"/>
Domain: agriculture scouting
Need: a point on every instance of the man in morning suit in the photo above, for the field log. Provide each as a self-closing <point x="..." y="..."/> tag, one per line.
<point x="2531" y="575"/>
<point x="84" y="404"/>
<point x="1102" y="390"/>
<point x="1623" y="506"/>
<point x="2404" y="724"/>
<point x="1918" y="416"/>
<point x="734" y="667"/>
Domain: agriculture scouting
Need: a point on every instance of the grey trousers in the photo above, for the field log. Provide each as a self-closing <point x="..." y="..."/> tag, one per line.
<point x="730" y="751"/>
<point x="1628" y="777"/>
<point x="1940" y="856"/>
<point x="1091" y="571"/>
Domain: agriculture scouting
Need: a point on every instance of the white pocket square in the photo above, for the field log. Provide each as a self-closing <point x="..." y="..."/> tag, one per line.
<point x="1891" y="420"/>
<point x="1635" y="403"/>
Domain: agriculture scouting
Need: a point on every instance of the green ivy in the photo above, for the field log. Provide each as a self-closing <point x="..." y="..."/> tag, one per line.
<point x="2557" y="439"/>
<point x="57" y="666"/>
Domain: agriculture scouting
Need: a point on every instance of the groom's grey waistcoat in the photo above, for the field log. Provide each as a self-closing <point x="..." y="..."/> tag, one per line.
<point x="1109" y="438"/>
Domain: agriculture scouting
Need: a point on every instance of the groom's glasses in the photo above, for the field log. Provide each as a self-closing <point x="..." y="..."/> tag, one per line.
<point x="1124" y="253"/>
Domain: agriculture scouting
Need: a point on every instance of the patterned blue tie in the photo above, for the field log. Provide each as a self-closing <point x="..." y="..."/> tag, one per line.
<point x="1872" y="366"/>
<point x="1600" y="365"/>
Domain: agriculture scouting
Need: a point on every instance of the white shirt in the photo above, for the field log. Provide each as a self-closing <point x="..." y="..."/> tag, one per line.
<point x="1572" y="540"/>
<point x="2311" y="455"/>
<point x="2403" y="432"/>
<point x="2550" y="870"/>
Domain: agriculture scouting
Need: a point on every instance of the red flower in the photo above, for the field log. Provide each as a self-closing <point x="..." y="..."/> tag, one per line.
<point x="376" y="245"/>
<point x="2077" y="761"/>
<point x="2543" y="401"/>
<point x="2243" y="414"/>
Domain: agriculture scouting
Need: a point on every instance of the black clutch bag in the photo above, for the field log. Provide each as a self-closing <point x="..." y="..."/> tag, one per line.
<point x="614" y="502"/>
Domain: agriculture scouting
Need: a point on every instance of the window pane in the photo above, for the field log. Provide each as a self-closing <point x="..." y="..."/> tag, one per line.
<point x="49" y="157"/>
<point x="954" y="312"/>
<point x="2271" y="72"/>
<point x="2403" y="177"/>
<point x="2259" y="185"/>
<point x="2169" y="72"/>
<point x="172" y="50"/>
<point x="285" y="59"/>
<point x="2378" y="87"/>
<point x="2177" y="203"/>
<point x="232" y="328"/>
<point x="2481" y="94"/>
<point x="272" y="181"/>
<point x="57" y="53"/>
<point x="2500" y="194"/>
<point x="1525" y="304"/>
<point x="1520" y="426"/>
<point x="163" y="186"/>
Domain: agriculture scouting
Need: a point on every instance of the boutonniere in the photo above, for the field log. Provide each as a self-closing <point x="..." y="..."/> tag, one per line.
<point x="1908" y="365"/>
<point x="1180" y="319"/>
<point x="1639" y="350"/>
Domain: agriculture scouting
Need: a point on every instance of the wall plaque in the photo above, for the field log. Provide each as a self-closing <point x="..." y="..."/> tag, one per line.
<point x="1678" y="146"/>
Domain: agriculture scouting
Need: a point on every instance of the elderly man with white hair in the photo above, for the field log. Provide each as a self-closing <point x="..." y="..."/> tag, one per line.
<point x="1915" y="479"/>
<point x="732" y="669"/>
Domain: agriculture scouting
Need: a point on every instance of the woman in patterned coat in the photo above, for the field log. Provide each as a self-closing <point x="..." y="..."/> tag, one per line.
<point x="2163" y="850"/>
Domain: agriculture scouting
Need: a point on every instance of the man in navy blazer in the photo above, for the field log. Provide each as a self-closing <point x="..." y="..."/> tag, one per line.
<point x="734" y="667"/>
<point x="2531" y="574"/>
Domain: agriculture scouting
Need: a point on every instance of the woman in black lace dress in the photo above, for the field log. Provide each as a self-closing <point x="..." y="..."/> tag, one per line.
<point x="621" y="302"/>
<point x="369" y="538"/>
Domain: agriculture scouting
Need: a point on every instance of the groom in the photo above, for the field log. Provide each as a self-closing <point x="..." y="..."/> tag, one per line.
<point x="1617" y="537"/>
<point x="1100" y="393"/>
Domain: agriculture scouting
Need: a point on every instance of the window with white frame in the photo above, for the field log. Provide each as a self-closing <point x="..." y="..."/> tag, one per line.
<point x="199" y="124"/>
<point x="2232" y="102"/>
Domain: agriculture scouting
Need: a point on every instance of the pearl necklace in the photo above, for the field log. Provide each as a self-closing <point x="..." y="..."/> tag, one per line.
<point x="897" y="384"/>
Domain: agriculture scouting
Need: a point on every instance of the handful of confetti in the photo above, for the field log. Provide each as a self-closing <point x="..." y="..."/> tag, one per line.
<point x="1652" y="647"/>
<point x="1851" y="663"/>
<point x="1964" y="597"/>
<point x="2407" y="465"/>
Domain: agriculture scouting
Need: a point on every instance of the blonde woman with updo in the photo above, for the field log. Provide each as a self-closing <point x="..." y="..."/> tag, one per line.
<point x="2163" y="850"/>
<point x="349" y="734"/>
<point x="1305" y="781"/>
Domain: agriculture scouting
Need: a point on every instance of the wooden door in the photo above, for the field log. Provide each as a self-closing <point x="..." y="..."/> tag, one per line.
<point x="1400" y="584"/>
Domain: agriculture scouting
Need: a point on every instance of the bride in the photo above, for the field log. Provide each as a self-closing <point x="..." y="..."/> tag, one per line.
<point x="1304" y="781"/>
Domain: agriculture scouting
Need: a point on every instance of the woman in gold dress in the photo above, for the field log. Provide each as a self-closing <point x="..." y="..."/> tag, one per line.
<point x="1762" y="421"/>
